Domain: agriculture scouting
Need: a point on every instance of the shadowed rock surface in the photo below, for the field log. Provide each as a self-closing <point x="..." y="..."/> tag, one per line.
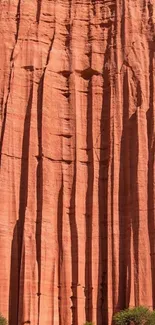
<point x="77" y="150"/>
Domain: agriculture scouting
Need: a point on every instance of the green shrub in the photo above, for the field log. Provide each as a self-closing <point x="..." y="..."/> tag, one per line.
<point x="152" y="319"/>
<point x="138" y="315"/>
<point x="3" y="321"/>
<point x="88" y="323"/>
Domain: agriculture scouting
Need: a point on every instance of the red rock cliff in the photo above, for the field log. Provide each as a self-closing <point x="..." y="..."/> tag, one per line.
<point x="77" y="172"/>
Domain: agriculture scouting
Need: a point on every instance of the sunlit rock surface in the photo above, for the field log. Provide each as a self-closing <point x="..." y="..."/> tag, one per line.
<point x="77" y="150"/>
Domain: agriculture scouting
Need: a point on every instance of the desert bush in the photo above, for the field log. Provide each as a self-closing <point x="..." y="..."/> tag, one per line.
<point x="138" y="315"/>
<point x="151" y="321"/>
<point x="3" y="321"/>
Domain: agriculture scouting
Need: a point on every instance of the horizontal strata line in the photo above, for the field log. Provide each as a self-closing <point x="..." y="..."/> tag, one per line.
<point x="33" y="40"/>
<point x="67" y="161"/>
<point x="11" y="156"/>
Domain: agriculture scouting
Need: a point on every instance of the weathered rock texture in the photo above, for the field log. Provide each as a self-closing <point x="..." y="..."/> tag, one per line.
<point x="77" y="96"/>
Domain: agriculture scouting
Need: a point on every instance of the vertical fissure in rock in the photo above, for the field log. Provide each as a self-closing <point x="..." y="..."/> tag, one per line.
<point x="118" y="37"/>
<point x="150" y="9"/>
<point x="151" y="162"/>
<point x="39" y="173"/>
<point x="14" y="281"/>
<point x="102" y="312"/>
<point x="72" y="208"/>
<point x="38" y="13"/>
<point x="124" y="190"/>
<point x="89" y="206"/>
<point x="134" y="206"/>
<point x="18" y="20"/>
<point x="89" y="193"/>
<point x="74" y="249"/>
<point x="4" y="117"/>
<point x="23" y="198"/>
<point x="60" y="248"/>
<point x="39" y="189"/>
<point x="74" y="240"/>
<point x="113" y="275"/>
<point x="93" y="2"/>
<point x="122" y="36"/>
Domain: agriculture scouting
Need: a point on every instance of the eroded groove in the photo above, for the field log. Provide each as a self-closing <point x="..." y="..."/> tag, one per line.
<point x="123" y="27"/>
<point x="89" y="193"/>
<point x="38" y="13"/>
<point x="23" y="195"/>
<point x="150" y="8"/>
<point x="17" y="22"/>
<point x="124" y="213"/>
<point x="102" y="314"/>
<point x="74" y="250"/>
<point x="89" y="206"/>
<point x="94" y="6"/>
<point x="14" y="280"/>
<point x="39" y="188"/>
<point x="39" y="183"/>
<point x="134" y="209"/>
<point x="4" y="119"/>
<point x="60" y="249"/>
<point x="151" y="163"/>
<point x="72" y="205"/>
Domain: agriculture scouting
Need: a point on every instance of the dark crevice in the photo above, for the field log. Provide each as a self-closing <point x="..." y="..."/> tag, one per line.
<point x="14" y="281"/>
<point x="102" y="303"/>
<point x="60" y="249"/>
<point x="68" y="136"/>
<point x="144" y="6"/>
<point x="21" y="288"/>
<point x="74" y="250"/>
<point x="39" y="176"/>
<point x="89" y="206"/>
<point x="134" y="198"/>
<point x="17" y="21"/>
<point x="113" y="218"/>
<point x="66" y="94"/>
<point x="65" y="73"/>
<point x="84" y="162"/>
<point x="39" y="4"/>
<point x="139" y="94"/>
<point x="88" y="73"/>
<point x="39" y="188"/>
<point x="112" y="9"/>
<point x="106" y="24"/>
<point x="4" y="118"/>
<point x="72" y="207"/>
<point x="23" y="197"/>
<point x="28" y="67"/>
<point x="52" y="290"/>
<point x="150" y="9"/>
<point x="124" y="213"/>
<point x="122" y="36"/>
<point x="151" y="163"/>
<point x="94" y="7"/>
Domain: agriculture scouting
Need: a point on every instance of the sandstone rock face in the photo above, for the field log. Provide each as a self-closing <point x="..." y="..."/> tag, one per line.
<point x="77" y="150"/>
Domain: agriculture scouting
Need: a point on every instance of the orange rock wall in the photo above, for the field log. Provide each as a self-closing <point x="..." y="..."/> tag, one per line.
<point x="77" y="150"/>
